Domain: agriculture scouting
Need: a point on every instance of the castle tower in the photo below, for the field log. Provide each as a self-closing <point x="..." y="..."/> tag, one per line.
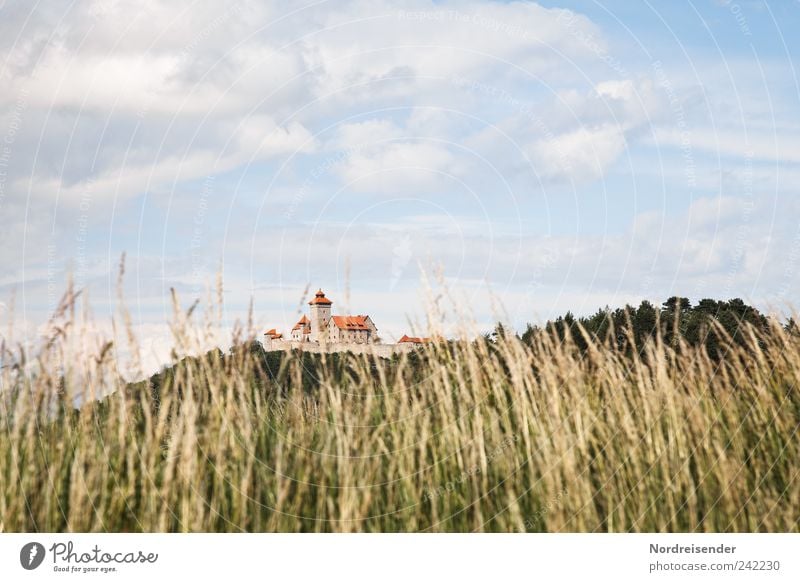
<point x="320" y="316"/>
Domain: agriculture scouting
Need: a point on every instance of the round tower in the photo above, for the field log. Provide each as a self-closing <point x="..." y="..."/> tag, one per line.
<point x="320" y="316"/>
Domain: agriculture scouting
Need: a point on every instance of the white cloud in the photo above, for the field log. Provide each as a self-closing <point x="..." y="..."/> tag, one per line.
<point x="403" y="167"/>
<point x="256" y="138"/>
<point x="357" y="135"/>
<point x="260" y="137"/>
<point x="624" y="89"/>
<point x="381" y="157"/>
<point x="358" y="46"/>
<point x="580" y="155"/>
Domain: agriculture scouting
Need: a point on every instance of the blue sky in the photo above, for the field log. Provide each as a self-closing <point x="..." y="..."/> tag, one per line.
<point x="539" y="156"/>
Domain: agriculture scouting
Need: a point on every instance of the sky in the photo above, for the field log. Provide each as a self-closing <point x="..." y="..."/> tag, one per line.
<point x="505" y="160"/>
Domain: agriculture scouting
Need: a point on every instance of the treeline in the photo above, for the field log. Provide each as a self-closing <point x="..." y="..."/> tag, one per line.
<point x="629" y="328"/>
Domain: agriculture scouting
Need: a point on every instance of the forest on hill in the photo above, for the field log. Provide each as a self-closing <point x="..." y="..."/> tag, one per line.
<point x="707" y="323"/>
<point x="710" y="324"/>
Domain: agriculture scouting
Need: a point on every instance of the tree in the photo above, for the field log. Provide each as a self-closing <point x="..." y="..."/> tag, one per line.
<point x="679" y="320"/>
<point x="677" y="303"/>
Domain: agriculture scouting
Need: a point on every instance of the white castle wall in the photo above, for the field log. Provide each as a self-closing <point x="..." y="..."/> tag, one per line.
<point x="381" y="350"/>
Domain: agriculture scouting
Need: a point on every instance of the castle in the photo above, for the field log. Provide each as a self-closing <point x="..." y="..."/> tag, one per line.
<point x="321" y="331"/>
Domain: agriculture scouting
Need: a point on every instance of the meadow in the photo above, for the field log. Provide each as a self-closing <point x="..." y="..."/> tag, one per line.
<point x="550" y="434"/>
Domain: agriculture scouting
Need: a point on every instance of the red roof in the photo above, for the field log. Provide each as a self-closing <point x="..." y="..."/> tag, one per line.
<point x="302" y="323"/>
<point x="273" y="334"/>
<point x="350" y="322"/>
<point x="413" y="340"/>
<point x="320" y="299"/>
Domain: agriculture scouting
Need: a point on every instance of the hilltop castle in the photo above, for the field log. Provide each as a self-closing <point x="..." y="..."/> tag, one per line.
<point x="323" y="327"/>
<point x="322" y="331"/>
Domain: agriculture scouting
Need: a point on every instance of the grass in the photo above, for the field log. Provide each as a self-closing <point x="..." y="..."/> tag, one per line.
<point x="462" y="436"/>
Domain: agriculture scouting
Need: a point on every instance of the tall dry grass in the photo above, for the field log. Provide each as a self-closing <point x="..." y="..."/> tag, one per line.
<point x="464" y="436"/>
